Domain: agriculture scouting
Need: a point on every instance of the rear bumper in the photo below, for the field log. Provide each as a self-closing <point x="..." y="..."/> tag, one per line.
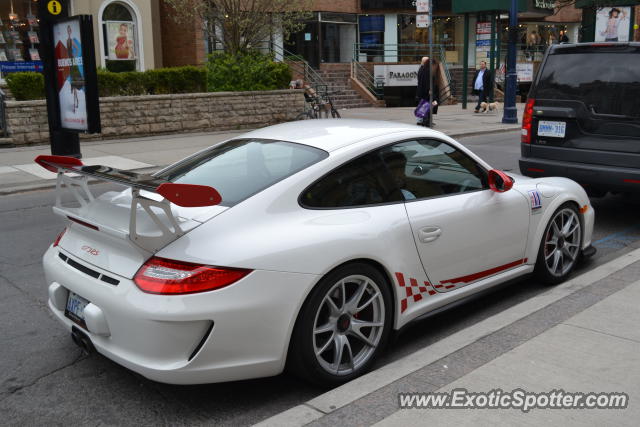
<point x="238" y="332"/>
<point x="609" y="178"/>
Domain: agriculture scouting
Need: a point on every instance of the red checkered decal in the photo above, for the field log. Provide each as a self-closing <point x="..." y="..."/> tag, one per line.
<point x="413" y="291"/>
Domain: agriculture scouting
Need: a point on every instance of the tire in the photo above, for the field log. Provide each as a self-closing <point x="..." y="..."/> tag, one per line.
<point x="330" y="344"/>
<point x="303" y="116"/>
<point x="559" y="250"/>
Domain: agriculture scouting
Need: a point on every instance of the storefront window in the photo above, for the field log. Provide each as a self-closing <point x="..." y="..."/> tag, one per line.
<point x="19" y="36"/>
<point x="120" y="38"/>
<point x="371" y="38"/>
<point x="413" y="40"/>
<point x="338" y="32"/>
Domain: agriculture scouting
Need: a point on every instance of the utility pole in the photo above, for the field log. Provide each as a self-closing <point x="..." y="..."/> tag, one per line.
<point x="465" y="62"/>
<point x="510" y="111"/>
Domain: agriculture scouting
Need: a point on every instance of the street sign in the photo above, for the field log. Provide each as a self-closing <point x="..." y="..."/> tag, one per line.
<point x="54" y="7"/>
<point x="422" y="21"/>
<point x="422" y="6"/>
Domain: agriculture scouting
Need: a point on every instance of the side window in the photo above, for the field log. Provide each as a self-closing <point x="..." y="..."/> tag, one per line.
<point x="360" y="182"/>
<point x="429" y="168"/>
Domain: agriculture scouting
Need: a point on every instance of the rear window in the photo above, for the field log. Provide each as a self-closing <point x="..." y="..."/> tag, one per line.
<point x="607" y="81"/>
<point x="241" y="168"/>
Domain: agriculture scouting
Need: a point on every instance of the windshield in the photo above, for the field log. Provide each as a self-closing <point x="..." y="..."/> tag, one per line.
<point x="241" y="168"/>
<point x="607" y="82"/>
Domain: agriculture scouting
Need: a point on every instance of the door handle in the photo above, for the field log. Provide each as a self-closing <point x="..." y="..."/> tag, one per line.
<point x="429" y="234"/>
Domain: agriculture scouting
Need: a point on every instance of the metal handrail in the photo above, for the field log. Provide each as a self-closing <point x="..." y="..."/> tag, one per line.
<point x="361" y="74"/>
<point x="299" y="64"/>
<point x="386" y="50"/>
<point x="3" y="114"/>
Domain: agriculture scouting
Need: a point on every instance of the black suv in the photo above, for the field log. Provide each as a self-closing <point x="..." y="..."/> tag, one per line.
<point x="582" y="117"/>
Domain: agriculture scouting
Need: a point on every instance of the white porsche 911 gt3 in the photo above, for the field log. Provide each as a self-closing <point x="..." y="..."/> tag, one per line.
<point x="303" y="244"/>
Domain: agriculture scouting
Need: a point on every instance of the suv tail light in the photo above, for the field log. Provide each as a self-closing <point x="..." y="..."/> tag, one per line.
<point x="169" y="277"/>
<point x="527" y="121"/>
<point x="57" y="241"/>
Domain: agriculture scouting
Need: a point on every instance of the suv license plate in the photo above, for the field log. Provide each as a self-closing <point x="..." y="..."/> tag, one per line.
<point x="552" y="129"/>
<point x="75" y="309"/>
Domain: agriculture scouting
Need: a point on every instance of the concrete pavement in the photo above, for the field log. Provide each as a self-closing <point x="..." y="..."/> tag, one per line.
<point x="18" y="172"/>
<point x="580" y="336"/>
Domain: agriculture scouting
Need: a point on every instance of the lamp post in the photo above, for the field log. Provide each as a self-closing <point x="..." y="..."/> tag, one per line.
<point x="510" y="111"/>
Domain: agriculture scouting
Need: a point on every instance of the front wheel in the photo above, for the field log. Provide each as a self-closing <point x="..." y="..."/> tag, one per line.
<point x="343" y="326"/>
<point x="560" y="247"/>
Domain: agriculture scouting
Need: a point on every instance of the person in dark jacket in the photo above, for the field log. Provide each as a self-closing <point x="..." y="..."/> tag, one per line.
<point x="482" y="84"/>
<point x="422" y="91"/>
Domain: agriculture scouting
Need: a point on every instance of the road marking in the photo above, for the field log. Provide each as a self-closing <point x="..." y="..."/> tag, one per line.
<point x="620" y="239"/>
<point x="385" y="375"/>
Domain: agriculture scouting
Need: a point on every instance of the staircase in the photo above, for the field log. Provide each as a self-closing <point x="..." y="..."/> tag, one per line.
<point x="336" y="77"/>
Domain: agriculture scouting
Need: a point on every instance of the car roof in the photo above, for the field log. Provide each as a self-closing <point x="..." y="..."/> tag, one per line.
<point x="558" y="48"/>
<point x="332" y="134"/>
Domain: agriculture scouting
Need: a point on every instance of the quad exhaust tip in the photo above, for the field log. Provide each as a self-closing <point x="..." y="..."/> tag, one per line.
<point x="82" y="340"/>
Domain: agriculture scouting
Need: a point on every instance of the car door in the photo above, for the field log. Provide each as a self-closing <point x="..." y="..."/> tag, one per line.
<point x="463" y="231"/>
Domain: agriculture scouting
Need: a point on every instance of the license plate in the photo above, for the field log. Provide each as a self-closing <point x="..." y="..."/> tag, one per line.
<point x="75" y="309"/>
<point x="552" y="129"/>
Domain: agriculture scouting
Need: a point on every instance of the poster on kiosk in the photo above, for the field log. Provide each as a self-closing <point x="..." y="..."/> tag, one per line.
<point x="75" y="78"/>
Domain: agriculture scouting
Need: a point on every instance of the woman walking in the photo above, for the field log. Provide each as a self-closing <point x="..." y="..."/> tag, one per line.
<point x="427" y="68"/>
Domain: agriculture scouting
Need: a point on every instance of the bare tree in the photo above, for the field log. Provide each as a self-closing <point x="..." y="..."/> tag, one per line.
<point x="239" y="25"/>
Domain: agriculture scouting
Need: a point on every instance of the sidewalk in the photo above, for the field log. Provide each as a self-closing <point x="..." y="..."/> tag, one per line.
<point x="581" y="336"/>
<point x="18" y="172"/>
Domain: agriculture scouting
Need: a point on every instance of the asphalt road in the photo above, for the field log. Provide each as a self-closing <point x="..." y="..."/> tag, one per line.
<point x="45" y="379"/>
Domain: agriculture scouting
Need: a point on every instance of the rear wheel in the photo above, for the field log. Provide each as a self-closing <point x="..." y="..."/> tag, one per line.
<point x="343" y="326"/>
<point x="560" y="247"/>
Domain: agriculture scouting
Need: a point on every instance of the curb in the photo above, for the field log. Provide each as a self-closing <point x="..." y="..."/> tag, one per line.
<point x="348" y="393"/>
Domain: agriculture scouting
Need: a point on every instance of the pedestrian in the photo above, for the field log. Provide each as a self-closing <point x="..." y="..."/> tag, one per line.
<point x="427" y="68"/>
<point x="564" y="38"/>
<point x="482" y="84"/>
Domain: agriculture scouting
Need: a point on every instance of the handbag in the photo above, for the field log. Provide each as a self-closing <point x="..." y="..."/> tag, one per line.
<point x="422" y="109"/>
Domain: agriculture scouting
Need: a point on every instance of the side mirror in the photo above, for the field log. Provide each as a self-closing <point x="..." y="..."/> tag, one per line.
<point x="499" y="181"/>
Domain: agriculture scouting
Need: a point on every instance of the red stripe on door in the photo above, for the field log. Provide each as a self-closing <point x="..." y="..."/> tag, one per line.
<point x="477" y="276"/>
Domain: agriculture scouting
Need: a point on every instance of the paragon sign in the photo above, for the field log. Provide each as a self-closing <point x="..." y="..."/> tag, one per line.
<point x="544" y="4"/>
<point x="396" y="75"/>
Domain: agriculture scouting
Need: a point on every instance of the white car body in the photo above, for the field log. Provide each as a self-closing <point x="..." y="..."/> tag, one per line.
<point x="243" y="330"/>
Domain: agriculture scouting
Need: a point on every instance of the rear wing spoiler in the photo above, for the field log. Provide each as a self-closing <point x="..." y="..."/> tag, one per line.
<point x="184" y="195"/>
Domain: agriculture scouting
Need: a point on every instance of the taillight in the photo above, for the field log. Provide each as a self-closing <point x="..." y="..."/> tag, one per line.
<point x="169" y="277"/>
<point x="57" y="241"/>
<point x="527" y="121"/>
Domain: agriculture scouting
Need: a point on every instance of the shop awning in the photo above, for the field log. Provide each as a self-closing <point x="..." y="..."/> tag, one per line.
<point x="602" y="3"/>
<point x="539" y="7"/>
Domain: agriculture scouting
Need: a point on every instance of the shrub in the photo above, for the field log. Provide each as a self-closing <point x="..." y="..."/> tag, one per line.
<point x="187" y="79"/>
<point x="26" y="86"/>
<point x="120" y="66"/>
<point x="246" y="71"/>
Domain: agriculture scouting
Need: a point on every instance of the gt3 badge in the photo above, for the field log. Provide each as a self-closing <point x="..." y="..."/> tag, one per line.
<point x="535" y="199"/>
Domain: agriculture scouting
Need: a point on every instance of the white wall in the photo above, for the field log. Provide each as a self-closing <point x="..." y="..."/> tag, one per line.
<point x="391" y="37"/>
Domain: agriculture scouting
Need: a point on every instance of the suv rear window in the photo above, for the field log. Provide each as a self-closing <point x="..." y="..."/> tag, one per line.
<point x="241" y="168"/>
<point x="606" y="80"/>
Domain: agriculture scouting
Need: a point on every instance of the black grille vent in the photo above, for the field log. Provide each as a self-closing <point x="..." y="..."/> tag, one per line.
<point x="88" y="271"/>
